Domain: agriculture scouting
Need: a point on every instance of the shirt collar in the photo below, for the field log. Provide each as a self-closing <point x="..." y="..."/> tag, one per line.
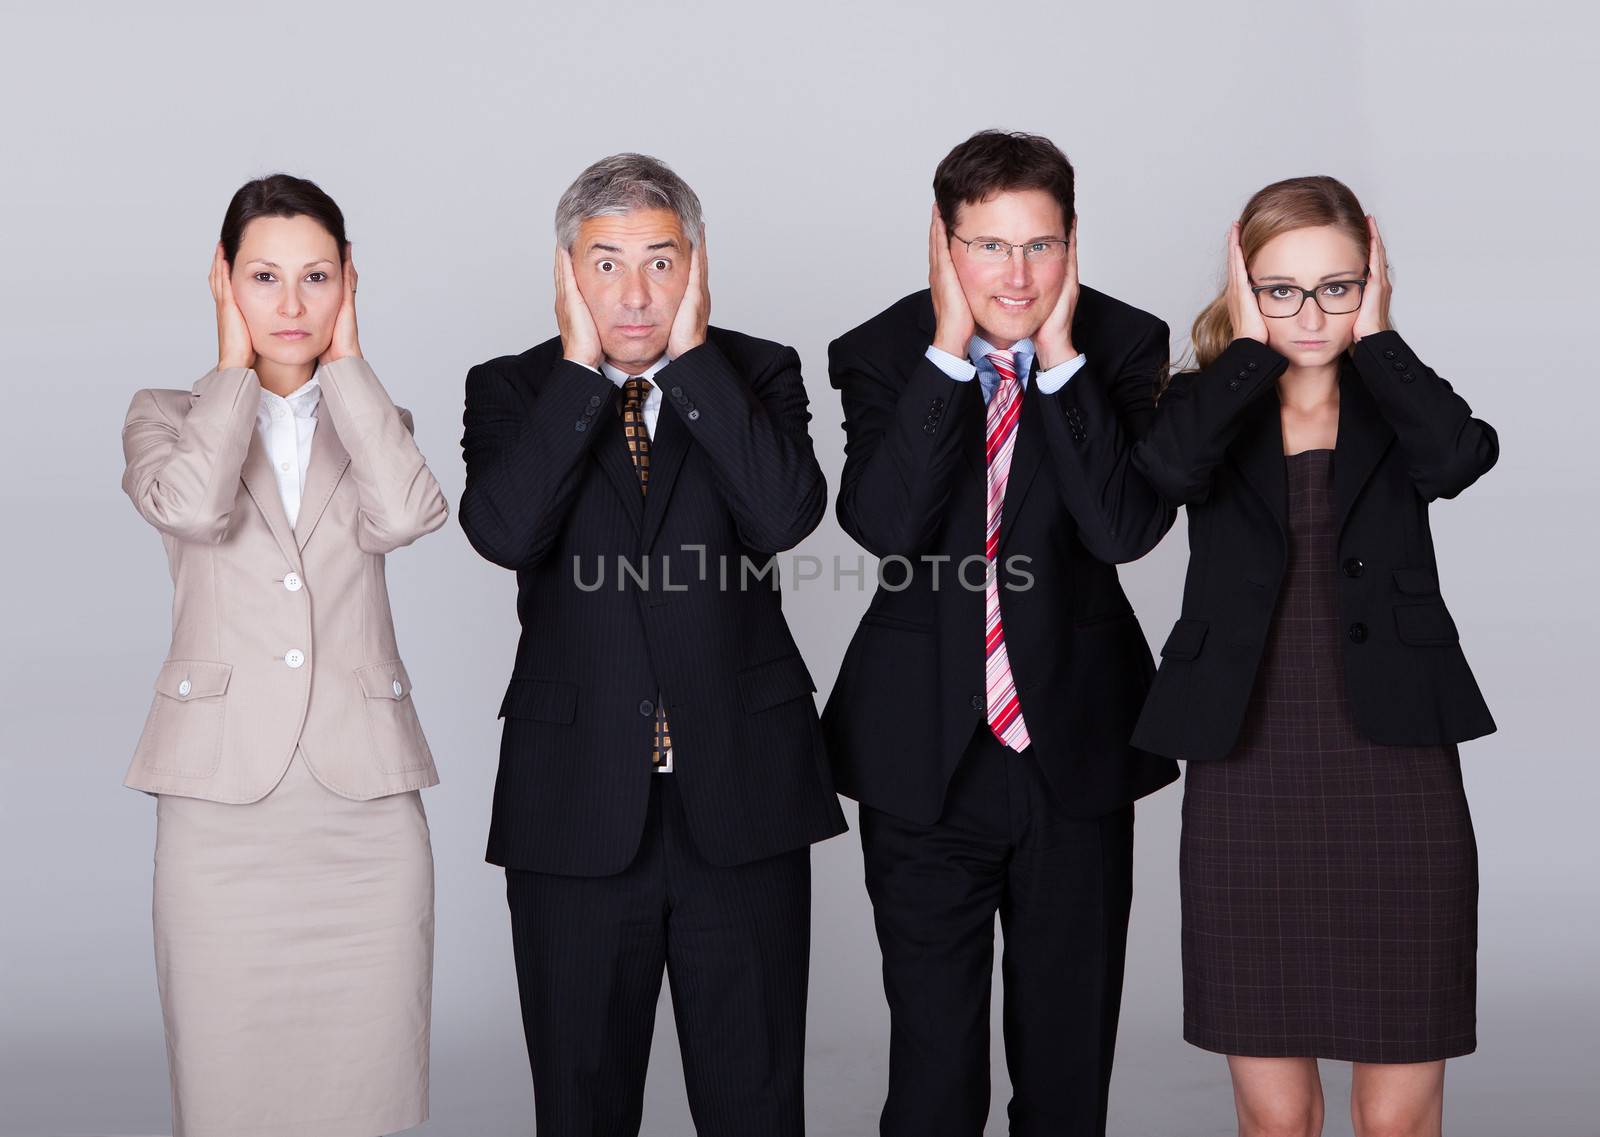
<point x="619" y="377"/>
<point x="978" y="350"/>
<point x="301" y="402"/>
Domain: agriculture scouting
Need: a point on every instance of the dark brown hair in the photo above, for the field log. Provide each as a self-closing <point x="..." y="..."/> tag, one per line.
<point x="280" y="195"/>
<point x="995" y="161"/>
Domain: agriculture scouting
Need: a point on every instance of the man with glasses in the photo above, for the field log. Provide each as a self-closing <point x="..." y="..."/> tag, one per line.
<point x="982" y="712"/>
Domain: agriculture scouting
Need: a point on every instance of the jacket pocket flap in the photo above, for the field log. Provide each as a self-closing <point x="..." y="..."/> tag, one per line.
<point x="1425" y="624"/>
<point x="546" y="700"/>
<point x="776" y="681"/>
<point x="1186" y="639"/>
<point x="185" y="679"/>
<point x="386" y="680"/>
<point x="1416" y="582"/>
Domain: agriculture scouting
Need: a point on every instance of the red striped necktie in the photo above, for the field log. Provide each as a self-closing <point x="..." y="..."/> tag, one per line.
<point x="1005" y="408"/>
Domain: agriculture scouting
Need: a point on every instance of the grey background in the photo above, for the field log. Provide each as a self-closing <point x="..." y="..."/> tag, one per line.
<point x="811" y="133"/>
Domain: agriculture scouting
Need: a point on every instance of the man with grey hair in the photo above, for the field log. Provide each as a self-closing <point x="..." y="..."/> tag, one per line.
<point x="662" y="774"/>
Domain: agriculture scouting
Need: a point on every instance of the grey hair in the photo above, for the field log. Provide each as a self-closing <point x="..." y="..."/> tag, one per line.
<point x="621" y="184"/>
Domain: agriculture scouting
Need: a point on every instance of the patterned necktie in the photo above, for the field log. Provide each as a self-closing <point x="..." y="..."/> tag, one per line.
<point x="1005" y="408"/>
<point x="634" y="392"/>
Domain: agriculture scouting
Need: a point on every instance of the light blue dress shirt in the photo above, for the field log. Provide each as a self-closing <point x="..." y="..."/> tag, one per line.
<point x="977" y="363"/>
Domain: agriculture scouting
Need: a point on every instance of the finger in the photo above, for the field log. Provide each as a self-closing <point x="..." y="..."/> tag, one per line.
<point x="1072" y="251"/>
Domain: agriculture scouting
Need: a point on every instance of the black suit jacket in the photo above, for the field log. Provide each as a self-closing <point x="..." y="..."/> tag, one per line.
<point x="552" y="493"/>
<point x="1405" y="438"/>
<point x="911" y="689"/>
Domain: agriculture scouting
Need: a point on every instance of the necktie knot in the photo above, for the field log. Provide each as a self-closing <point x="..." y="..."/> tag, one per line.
<point x="1005" y="365"/>
<point x="634" y="390"/>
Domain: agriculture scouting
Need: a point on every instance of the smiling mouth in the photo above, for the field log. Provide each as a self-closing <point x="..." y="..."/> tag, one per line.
<point x="1012" y="304"/>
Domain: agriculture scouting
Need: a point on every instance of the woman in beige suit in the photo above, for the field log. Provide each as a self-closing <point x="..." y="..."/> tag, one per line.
<point x="293" y="874"/>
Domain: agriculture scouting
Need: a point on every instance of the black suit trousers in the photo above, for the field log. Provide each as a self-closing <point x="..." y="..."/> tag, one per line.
<point x="1062" y="888"/>
<point x="735" y="943"/>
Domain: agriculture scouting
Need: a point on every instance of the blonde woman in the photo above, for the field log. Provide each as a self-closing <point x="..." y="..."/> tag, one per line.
<point x="293" y="873"/>
<point x="1315" y="682"/>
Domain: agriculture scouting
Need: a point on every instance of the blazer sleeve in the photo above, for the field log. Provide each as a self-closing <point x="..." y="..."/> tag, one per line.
<point x="756" y="437"/>
<point x="524" y="452"/>
<point x="1091" y="425"/>
<point x="183" y="477"/>
<point x="1447" y="449"/>
<point x="399" y="498"/>
<point x="902" y="446"/>
<point x="1198" y="417"/>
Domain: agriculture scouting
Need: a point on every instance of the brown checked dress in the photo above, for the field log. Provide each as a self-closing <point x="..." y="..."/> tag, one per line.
<point x="1329" y="884"/>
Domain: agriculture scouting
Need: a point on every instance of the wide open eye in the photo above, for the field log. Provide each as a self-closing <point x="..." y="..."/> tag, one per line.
<point x="661" y="264"/>
<point x="607" y="266"/>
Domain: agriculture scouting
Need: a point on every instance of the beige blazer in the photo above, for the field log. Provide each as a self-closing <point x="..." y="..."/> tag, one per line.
<point x="280" y="637"/>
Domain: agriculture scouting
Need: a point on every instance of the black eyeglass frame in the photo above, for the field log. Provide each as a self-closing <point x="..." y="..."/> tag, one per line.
<point x="1361" y="292"/>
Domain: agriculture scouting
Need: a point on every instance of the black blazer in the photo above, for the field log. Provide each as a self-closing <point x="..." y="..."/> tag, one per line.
<point x="551" y="492"/>
<point x="1405" y="438"/>
<point x="910" y="692"/>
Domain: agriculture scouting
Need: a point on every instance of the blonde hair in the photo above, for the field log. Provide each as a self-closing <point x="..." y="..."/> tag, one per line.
<point x="1294" y="203"/>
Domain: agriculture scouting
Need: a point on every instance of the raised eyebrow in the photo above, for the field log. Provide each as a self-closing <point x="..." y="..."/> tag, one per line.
<point x="669" y="243"/>
<point x="598" y="247"/>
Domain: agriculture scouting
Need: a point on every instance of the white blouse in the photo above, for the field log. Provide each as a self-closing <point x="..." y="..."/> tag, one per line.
<point x="286" y="424"/>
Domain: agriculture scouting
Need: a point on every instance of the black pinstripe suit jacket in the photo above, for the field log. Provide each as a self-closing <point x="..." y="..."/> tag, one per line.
<point x="910" y="692"/>
<point x="626" y="597"/>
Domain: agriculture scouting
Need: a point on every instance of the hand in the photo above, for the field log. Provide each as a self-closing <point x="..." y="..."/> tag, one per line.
<point x="580" y="339"/>
<point x="694" y="310"/>
<point x="1243" y="312"/>
<point x="234" y="346"/>
<point x="345" y="342"/>
<point x="1373" y="316"/>
<point x="953" y="325"/>
<point x="1054" y="337"/>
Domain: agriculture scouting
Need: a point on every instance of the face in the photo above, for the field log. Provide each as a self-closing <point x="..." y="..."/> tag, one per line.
<point x="632" y="271"/>
<point x="287" y="282"/>
<point x="1009" y="299"/>
<point x="1311" y="257"/>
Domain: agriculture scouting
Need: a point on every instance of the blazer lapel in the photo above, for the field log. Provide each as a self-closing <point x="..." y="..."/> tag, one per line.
<point x="612" y="454"/>
<point x="668" y="449"/>
<point x="1258" y="452"/>
<point x="263" y="486"/>
<point x="329" y="460"/>
<point x="1364" y="436"/>
<point x="1025" y="456"/>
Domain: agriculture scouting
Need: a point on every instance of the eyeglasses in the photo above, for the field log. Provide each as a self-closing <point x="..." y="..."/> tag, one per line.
<point x="1335" y="298"/>
<point x="994" y="250"/>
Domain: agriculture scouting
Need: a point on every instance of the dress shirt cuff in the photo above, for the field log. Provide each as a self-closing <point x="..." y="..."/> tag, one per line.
<point x="961" y="370"/>
<point x="1049" y="382"/>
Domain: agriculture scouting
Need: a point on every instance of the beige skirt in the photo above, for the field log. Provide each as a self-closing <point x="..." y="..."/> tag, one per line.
<point x="294" y="951"/>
